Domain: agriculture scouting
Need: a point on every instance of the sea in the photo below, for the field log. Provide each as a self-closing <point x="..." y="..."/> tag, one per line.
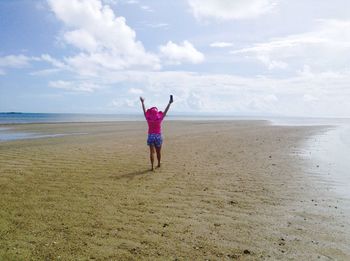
<point x="329" y="151"/>
<point x="16" y="117"/>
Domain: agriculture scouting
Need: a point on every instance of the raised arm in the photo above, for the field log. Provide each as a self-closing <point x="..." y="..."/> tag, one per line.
<point x="167" y="107"/>
<point x="143" y="105"/>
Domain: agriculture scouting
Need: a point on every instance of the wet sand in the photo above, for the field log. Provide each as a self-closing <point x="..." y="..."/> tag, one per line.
<point x="238" y="190"/>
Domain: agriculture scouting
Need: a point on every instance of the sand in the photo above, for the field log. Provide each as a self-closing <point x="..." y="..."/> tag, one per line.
<point x="239" y="190"/>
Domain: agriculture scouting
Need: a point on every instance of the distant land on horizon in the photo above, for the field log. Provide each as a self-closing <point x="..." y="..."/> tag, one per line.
<point x="12" y="112"/>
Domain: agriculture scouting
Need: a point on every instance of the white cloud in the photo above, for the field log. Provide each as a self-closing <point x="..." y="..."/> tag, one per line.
<point x="180" y="53"/>
<point x="196" y="92"/>
<point x="309" y="98"/>
<point x="124" y="103"/>
<point x="146" y="8"/>
<point x="271" y="64"/>
<point x="224" y="93"/>
<point x="104" y="40"/>
<point x="45" y="72"/>
<point x="52" y="61"/>
<point x="74" y="86"/>
<point x="82" y="40"/>
<point x="328" y="46"/>
<point x="22" y="61"/>
<point x="221" y="44"/>
<point x="15" y="61"/>
<point x="195" y="101"/>
<point x="131" y="2"/>
<point x="158" y="25"/>
<point x="230" y="9"/>
<point x="135" y="91"/>
<point x="110" y="2"/>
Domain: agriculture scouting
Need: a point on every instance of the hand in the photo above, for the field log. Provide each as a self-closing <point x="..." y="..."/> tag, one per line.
<point x="142" y="99"/>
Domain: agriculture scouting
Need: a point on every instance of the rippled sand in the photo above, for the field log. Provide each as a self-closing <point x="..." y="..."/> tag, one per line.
<point x="226" y="190"/>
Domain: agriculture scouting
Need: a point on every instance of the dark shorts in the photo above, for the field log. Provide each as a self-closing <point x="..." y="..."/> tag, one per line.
<point x="155" y="140"/>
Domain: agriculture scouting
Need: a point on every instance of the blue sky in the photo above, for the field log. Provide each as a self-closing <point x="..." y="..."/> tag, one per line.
<point x="242" y="57"/>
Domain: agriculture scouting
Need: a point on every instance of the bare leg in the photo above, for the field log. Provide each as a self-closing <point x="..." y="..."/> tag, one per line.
<point x="159" y="155"/>
<point x="151" y="154"/>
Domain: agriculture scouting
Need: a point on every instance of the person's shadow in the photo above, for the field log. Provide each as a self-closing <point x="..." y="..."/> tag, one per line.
<point x="131" y="175"/>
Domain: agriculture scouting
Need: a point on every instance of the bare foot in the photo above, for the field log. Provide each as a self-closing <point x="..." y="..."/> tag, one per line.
<point x="158" y="166"/>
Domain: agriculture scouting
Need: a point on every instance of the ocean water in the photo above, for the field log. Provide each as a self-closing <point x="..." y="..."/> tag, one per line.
<point x="328" y="152"/>
<point x="7" y="133"/>
<point x="18" y="118"/>
<point x="15" y="118"/>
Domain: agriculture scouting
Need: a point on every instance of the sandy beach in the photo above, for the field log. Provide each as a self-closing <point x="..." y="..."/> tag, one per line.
<point x="227" y="190"/>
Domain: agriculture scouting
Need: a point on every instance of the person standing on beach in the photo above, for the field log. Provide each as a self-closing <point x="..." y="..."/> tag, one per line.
<point x="154" y="120"/>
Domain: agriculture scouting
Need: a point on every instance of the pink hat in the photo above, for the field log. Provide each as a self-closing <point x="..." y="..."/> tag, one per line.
<point x="153" y="114"/>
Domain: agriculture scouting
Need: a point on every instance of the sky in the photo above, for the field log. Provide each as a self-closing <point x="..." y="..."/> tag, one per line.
<point x="226" y="57"/>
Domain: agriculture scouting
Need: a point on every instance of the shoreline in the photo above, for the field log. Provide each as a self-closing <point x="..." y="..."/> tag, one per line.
<point x="335" y="166"/>
<point x="328" y="153"/>
<point x="43" y="118"/>
<point x="226" y="190"/>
